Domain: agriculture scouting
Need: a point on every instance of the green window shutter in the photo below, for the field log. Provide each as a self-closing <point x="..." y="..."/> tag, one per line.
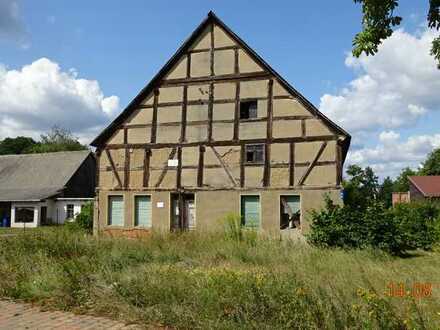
<point x="142" y="211"/>
<point x="250" y="211"/>
<point x="116" y="211"/>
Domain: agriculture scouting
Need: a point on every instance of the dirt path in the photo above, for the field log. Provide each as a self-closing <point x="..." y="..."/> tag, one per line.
<point x="17" y="316"/>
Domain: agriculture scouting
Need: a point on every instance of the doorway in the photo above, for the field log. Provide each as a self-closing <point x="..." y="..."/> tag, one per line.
<point x="183" y="212"/>
<point x="43" y="215"/>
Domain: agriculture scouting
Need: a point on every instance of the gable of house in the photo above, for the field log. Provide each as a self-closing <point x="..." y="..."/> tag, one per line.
<point x="192" y="107"/>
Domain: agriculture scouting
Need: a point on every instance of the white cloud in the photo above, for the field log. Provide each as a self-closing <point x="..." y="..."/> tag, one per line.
<point x="392" y="154"/>
<point x="394" y="88"/>
<point x="41" y="95"/>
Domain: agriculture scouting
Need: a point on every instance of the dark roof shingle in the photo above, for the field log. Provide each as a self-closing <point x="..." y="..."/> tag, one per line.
<point x="37" y="176"/>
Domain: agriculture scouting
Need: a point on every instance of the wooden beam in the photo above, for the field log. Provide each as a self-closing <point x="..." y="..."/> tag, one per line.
<point x="303" y="127"/>
<point x="146" y="173"/>
<point x="338" y="164"/>
<point x="269" y="109"/>
<point x="236" y="62"/>
<point x="201" y="166"/>
<point x="242" y="160"/>
<point x="98" y="162"/>
<point x="125" y="135"/>
<point x="154" y="119"/>
<point x="249" y="188"/>
<point x="188" y="66"/>
<point x="184" y="110"/>
<point x="223" y="142"/>
<point x="210" y="110"/>
<point x="165" y="168"/>
<point x="112" y="164"/>
<point x="312" y="164"/>
<point x="223" y="101"/>
<point x="127" y="168"/>
<point x="219" y="78"/>
<point x="225" y="166"/>
<point x="237" y="111"/>
<point x="205" y="50"/>
<point x="266" y="173"/>
<point x="291" y="164"/>
<point x="179" y="168"/>
<point x="211" y="54"/>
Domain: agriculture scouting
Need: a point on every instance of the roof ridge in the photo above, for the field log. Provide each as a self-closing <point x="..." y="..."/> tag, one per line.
<point x="46" y="153"/>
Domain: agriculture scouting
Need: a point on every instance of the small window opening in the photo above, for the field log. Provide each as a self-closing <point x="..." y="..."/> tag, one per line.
<point x="255" y="153"/>
<point x="248" y="109"/>
<point x="69" y="211"/>
<point x="290" y="214"/>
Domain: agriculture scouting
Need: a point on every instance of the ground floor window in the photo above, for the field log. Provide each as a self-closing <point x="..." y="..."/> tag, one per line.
<point x="142" y="214"/>
<point x="250" y="211"/>
<point x="290" y="213"/>
<point x="115" y="210"/>
<point x="24" y="214"/>
<point x="70" y="211"/>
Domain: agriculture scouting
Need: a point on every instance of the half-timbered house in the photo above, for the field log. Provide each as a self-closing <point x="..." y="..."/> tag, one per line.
<point x="216" y="131"/>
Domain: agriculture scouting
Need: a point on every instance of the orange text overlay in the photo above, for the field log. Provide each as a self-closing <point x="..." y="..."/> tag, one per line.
<point x="416" y="289"/>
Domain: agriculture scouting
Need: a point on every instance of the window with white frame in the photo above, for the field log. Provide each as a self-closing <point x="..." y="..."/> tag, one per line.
<point x="24" y="214"/>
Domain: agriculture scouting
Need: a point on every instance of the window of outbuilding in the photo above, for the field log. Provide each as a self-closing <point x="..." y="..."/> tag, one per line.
<point x="69" y="211"/>
<point x="24" y="214"/>
<point x="254" y="153"/>
<point x="248" y="109"/>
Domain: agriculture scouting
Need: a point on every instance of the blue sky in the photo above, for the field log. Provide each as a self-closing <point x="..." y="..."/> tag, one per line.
<point x="121" y="45"/>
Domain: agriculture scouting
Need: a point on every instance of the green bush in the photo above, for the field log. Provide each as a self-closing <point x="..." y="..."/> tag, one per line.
<point x="84" y="220"/>
<point x="403" y="228"/>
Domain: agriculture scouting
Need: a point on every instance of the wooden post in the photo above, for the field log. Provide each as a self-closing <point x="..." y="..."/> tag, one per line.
<point x="210" y="109"/>
<point x="154" y="119"/>
<point x="242" y="160"/>
<point x="200" y="166"/>
<point x="237" y="111"/>
<point x="146" y="175"/>
<point x="291" y="164"/>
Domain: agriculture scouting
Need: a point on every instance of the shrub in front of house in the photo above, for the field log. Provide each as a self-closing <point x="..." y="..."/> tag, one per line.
<point x="403" y="228"/>
<point x="84" y="219"/>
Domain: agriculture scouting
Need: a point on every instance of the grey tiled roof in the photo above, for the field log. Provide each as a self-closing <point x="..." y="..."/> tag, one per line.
<point x="37" y="176"/>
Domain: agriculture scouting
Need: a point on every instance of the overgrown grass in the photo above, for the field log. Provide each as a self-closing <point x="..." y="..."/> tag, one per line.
<point x="214" y="281"/>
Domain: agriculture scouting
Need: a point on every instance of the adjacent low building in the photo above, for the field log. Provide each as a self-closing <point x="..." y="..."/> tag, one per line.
<point x="38" y="189"/>
<point x="421" y="188"/>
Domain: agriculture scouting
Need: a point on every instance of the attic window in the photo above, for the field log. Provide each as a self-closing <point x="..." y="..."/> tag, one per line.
<point x="254" y="153"/>
<point x="248" y="109"/>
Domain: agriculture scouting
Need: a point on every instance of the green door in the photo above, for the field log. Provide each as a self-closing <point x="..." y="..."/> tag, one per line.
<point x="142" y="211"/>
<point x="116" y="211"/>
<point x="250" y="211"/>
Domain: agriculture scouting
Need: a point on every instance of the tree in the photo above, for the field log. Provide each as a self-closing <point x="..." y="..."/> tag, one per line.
<point x="58" y="139"/>
<point x="386" y="192"/>
<point x="379" y="20"/>
<point x="361" y="188"/>
<point x="431" y="166"/>
<point x="14" y="146"/>
<point x="401" y="184"/>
